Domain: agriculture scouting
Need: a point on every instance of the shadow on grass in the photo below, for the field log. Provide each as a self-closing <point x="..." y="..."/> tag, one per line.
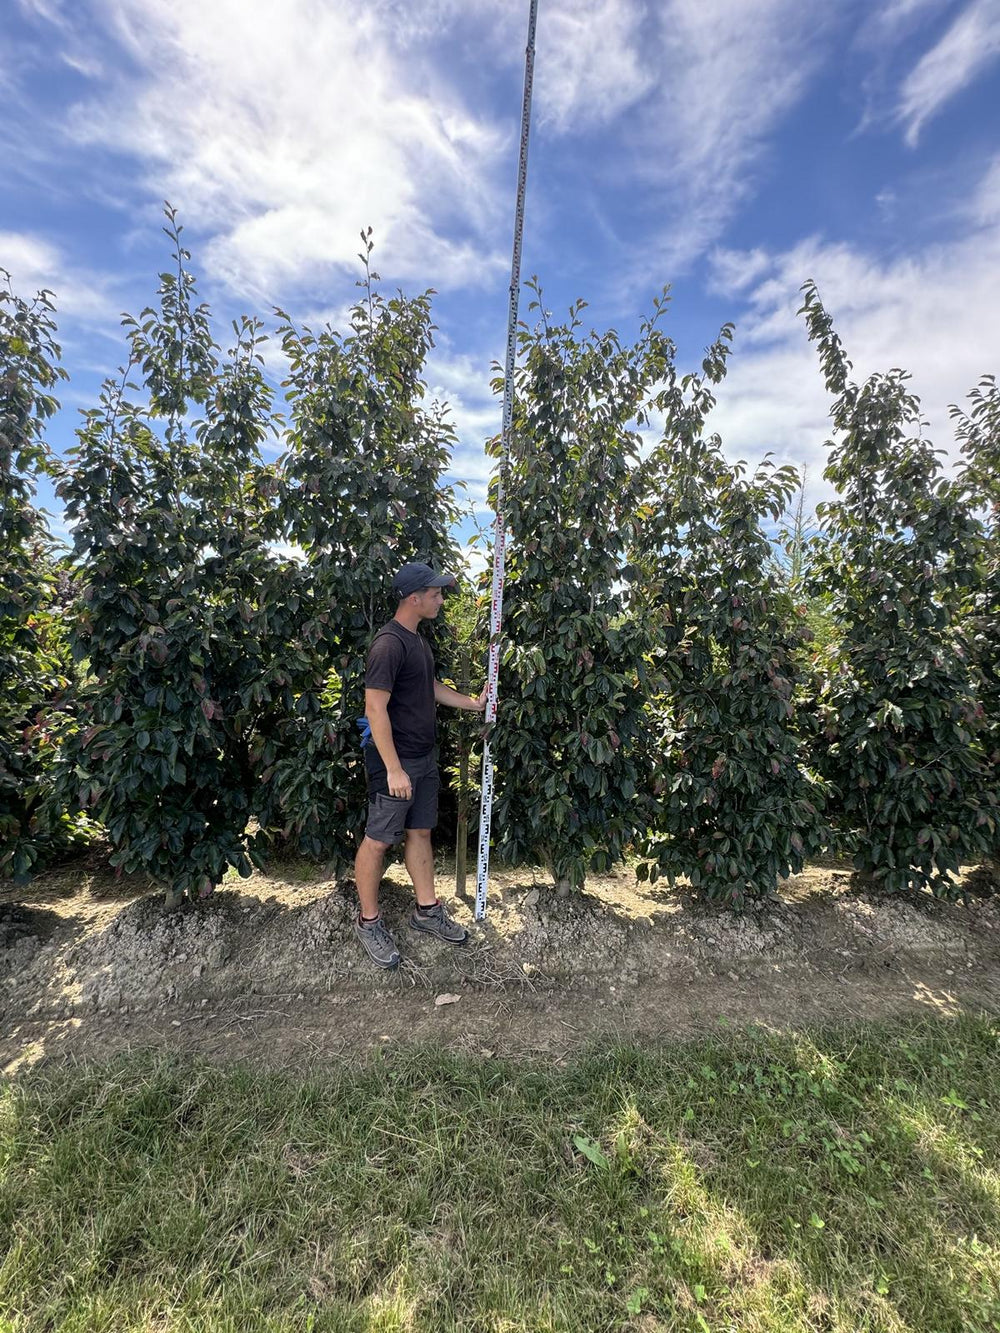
<point x="838" y="1181"/>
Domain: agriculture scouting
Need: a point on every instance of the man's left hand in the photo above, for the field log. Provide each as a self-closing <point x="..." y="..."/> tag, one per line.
<point x="481" y="701"/>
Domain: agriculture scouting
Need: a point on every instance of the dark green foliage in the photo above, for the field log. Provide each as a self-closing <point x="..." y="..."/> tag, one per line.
<point x="898" y="708"/>
<point x="737" y="805"/>
<point x="34" y="661"/>
<point x="978" y="433"/>
<point x="361" y="494"/>
<point x="570" y="789"/>
<point x="184" y="604"/>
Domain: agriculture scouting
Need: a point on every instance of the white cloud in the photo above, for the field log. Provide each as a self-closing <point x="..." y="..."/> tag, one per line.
<point x="885" y="38"/>
<point x="29" y="259"/>
<point x="87" y="65"/>
<point x="894" y="18"/>
<point x="52" y="11"/>
<point x="589" y="65"/>
<point x="590" y="62"/>
<point x="985" y="207"/>
<point x="34" y="263"/>
<point x="735" y="270"/>
<point x="966" y="49"/>
<point x="463" y="382"/>
<point x="74" y="38"/>
<point x="281" y="132"/>
<point x="935" y="312"/>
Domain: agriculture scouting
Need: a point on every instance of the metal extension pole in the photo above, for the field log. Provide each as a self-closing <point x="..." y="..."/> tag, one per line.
<point x="500" y="527"/>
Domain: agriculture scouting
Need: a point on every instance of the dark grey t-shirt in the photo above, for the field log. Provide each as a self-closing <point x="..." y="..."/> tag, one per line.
<point x="402" y="663"/>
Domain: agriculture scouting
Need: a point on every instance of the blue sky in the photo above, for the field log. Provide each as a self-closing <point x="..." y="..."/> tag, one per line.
<point x="730" y="149"/>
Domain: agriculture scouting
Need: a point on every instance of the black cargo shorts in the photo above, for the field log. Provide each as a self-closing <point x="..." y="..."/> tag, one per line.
<point x="389" y="816"/>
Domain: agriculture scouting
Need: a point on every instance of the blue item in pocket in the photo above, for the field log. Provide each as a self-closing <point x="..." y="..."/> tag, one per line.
<point x="364" y="726"/>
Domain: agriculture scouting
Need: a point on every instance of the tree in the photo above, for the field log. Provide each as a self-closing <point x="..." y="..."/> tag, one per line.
<point x="184" y="604"/>
<point x="568" y="738"/>
<point x="978" y="434"/>
<point x="737" y="802"/>
<point x="34" y="660"/>
<point x="899" y="709"/>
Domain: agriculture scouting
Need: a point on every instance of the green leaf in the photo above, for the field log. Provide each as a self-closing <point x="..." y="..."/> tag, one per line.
<point x="591" y="1150"/>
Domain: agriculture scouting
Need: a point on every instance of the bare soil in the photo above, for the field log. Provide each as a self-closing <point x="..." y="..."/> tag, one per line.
<point x="268" y="968"/>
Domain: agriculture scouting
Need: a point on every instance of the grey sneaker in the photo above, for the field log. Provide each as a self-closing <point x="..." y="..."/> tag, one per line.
<point x="438" y="923"/>
<point x="379" y="944"/>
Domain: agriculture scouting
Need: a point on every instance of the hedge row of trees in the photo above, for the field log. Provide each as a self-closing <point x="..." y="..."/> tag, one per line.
<point x="187" y="678"/>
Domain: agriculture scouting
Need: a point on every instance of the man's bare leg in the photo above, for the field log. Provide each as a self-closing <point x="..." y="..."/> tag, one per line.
<point x="419" y="857"/>
<point x="429" y="915"/>
<point x="368" y="875"/>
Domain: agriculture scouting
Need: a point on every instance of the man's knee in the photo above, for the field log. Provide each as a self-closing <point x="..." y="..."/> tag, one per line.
<point x="374" y="846"/>
<point x="418" y="835"/>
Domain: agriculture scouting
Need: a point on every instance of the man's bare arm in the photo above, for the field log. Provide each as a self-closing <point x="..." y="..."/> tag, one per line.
<point x="444" y="694"/>
<point x="376" y="710"/>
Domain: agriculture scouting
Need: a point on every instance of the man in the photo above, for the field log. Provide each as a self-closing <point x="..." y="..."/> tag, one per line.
<point x="400" y="697"/>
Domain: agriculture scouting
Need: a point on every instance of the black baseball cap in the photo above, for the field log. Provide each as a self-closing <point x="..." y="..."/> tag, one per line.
<point x="411" y="578"/>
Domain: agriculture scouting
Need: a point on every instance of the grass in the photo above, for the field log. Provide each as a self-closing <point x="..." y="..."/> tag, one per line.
<point x="831" y="1181"/>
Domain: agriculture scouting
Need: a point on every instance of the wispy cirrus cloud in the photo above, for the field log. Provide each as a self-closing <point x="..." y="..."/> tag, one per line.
<point x="969" y="46"/>
<point x="733" y="271"/>
<point x="279" y="132"/>
<point x="592" y="64"/>
<point x="687" y="93"/>
<point x="984" y="207"/>
<point x="894" y="19"/>
<point x="731" y="74"/>
<point x="714" y="82"/>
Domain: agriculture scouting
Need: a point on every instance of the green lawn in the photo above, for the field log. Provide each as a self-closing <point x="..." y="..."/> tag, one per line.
<point x="845" y="1180"/>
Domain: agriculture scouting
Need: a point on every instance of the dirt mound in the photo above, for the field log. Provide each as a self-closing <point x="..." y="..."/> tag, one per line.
<point x="921" y="925"/>
<point x="92" y="948"/>
<point x="20" y="940"/>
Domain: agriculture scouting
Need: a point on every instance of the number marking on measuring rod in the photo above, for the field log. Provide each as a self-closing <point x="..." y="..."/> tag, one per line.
<point x="500" y="527"/>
